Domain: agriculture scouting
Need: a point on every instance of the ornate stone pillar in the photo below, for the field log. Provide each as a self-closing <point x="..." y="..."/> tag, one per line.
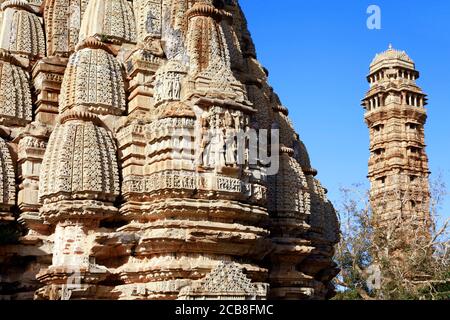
<point x="47" y="77"/>
<point x="141" y="68"/>
<point x="31" y="148"/>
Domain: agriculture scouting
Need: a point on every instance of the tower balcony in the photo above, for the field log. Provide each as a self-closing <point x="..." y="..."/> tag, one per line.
<point x="393" y="98"/>
<point x="397" y="159"/>
<point x="396" y="135"/>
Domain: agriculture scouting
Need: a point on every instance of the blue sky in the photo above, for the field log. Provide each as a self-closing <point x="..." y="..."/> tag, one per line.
<point x="318" y="54"/>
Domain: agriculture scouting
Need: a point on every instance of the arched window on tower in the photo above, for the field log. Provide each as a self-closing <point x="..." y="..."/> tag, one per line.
<point x="414" y="150"/>
<point x="379" y="152"/>
<point x="381" y="181"/>
<point x="378" y="128"/>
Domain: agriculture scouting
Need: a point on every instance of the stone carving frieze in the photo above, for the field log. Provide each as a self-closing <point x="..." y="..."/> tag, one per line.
<point x="168" y="82"/>
<point x="156" y="182"/>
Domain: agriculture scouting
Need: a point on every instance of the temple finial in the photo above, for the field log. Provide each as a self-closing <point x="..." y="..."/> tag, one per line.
<point x="390" y="46"/>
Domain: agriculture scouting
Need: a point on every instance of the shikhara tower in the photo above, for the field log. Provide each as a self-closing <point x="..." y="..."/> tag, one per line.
<point x="398" y="167"/>
<point x="109" y="203"/>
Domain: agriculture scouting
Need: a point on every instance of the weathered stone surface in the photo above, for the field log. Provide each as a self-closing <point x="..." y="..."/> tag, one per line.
<point x="7" y="183"/>
<point x="112" y="20"/>
<point x="93" y="80"/>
<point x="21" y="32"/>
<point x="15" y="92"/>
<point x="131" y="180"/>
<point x="62" y="20"/>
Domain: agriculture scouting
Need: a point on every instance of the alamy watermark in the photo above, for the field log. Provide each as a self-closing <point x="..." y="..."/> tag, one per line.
<point x="373" y="281"/>
<point x="374" y="19"/>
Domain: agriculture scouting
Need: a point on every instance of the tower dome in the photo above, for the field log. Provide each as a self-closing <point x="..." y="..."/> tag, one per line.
<point x="15" y="95"/>
<point x="7" y="181"/>
<point x="391" y="57"/>
<point x="21" y="31"/>
<point x="80" y="162"/>
<point x="93" y="80"/>
<point x="110" y="19"/>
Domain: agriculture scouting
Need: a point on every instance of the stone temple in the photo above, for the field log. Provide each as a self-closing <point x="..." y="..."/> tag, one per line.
<point x="398" y="167"/>
<point x="114" y="176"/>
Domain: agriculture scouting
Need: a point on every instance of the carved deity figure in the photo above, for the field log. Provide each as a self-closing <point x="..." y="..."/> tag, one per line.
<point x="237" y="121"/>
<point x="216" y="135"/>
<point x="228" y="120"/>
<point x="231" y="147"/>
<point x="219" y="146"/>
<point x="176" y="88"/>
<point x="204" y="125"/>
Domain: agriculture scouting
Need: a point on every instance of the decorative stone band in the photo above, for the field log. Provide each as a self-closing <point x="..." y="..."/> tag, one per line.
<point x="165" y="237"/>
<point x="310" y="171"/>
<point x="154" y="267"/>
<point x="204" y="101"/>
<point x="200" y="182"/>
<point x="80" y="115"/>
<point x="19" y="4"/>
<point x="31" y="148"/>
<point x="227" y="15"/>
<point x="93" y="43"/>
<point x="281" y="109"/>
<point x="61" y="274"/>
<point x="58" y="78"/>
<point x="169" y="126"/>
<point x="178" y="110"/>
<point x="141" y="59"/>
<point x="204" y="10"/>
<point x="285" y="150"/>
<point x="195" y="209"/>
<point x="150" y="289"/>
<point x="85" y="210"/>
<point x="7" y="57"/>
